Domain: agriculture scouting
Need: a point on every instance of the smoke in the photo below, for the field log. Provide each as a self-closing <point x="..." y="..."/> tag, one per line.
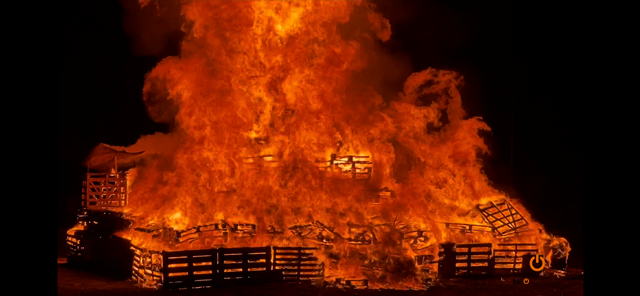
<point x="155" y="27"/>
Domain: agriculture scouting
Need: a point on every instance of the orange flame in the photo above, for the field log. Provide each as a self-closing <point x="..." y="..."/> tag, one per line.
<point x="284" y="80"/>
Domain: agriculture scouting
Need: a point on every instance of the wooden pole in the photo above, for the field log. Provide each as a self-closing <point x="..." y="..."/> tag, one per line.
<point x="115" y="158"/>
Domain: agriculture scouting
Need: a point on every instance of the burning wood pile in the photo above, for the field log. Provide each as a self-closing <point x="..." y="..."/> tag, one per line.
<point x="282" y="139"/>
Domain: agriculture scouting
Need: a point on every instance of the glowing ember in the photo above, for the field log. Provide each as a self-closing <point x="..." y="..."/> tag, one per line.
<point x="278" y="126"/>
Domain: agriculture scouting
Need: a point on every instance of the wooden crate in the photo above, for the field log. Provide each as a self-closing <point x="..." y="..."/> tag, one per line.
<point x="297" y="263"/>
<point x="104" y="191"/>
<point x="508" y="258"/>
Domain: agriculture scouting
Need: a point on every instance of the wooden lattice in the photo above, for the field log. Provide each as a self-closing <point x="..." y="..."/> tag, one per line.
<point x="104" y="191"/>
<point x="504" y="218"/>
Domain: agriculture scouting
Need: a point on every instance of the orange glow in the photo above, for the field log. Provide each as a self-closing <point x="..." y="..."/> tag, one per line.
<point x="267" y="92"/>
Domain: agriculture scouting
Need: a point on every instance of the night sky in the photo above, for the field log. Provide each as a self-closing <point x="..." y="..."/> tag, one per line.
<point x="514" y="57"/>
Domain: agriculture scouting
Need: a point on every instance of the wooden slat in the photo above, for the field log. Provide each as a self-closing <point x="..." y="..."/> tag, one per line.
<point x="472" y="260"/>
<point x="474" y="246"/>
<point x="243" y="257"/>
<point x="245" y="274"/>
<point x="473" y="253"/>
<point x="296" y="264"/>
<point x="226" y="251"/>
<point x="276" y="249"/>
<point x="188" y="252"/>
<point x="189" y="278"/>
<point x="244" y="265"/>
<point x="187" y="260"/>
<point x="193" y="268"/>
<point x="295" y="254"/>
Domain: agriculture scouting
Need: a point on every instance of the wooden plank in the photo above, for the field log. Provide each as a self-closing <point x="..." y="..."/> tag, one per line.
<point x="187" y="268"/>
<point x="472" y="260"/>
<point x="244" y="265"/>
<point x="237" y="274"/>
<point x="472" y="253"/>
<point x="189" y="278"/>
<point x="276" y="249"/>
<point x="295" y="254"/>
<point x="168" y="255"/>
<point x="187" y="260"/>
<point x="296" y="264"/>
<point x="226" y="257"/>
<point x="244" y="250"/>
<point x="486" y="245"/>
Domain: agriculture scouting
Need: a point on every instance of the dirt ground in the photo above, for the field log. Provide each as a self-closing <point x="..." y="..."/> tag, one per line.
<point x="74" y="282"/>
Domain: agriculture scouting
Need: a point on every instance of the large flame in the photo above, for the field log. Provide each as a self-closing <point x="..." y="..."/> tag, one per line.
<point x="286" y="79"/>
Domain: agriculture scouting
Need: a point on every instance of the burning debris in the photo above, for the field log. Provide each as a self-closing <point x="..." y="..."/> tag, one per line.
<point x="287" y="143"/>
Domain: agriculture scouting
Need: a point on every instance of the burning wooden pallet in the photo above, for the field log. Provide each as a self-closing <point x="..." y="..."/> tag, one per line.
<point x="465" y="259"/>
<point x="147" y="267"/>
<point x="75" y="245"/>
<point x="104" y="191"/>
<point x="194" y="269"/>
<point x="508" y="258"/>
<point x="358" y="166"/>
<point x="297" y="263"/>
<point x="505" y="219"/>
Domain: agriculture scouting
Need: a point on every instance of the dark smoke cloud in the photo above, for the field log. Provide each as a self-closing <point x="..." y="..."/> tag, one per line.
<point x="154" y="27"/>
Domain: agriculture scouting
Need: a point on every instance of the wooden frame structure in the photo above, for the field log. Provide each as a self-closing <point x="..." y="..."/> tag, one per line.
<point x="104" y="191"/>
<point x="504" y="218"/>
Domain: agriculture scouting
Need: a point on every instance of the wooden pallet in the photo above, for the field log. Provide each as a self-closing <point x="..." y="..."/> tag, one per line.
<point x="189" y="269"/>
<point x="297" y="263"/>
<point x="504" y="218"/>
<point x="465" y="260"/>
<point x="244" y="263"/>
<point x="147" y="267"/>
<point x="104" y="191"/>
<point x="508" y="258"/>
<point x="75" y="246"/>
<point x="357" y="166"/>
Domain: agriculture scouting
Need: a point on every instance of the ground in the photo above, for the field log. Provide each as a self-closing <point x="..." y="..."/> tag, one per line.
<point x="74" y="282"/>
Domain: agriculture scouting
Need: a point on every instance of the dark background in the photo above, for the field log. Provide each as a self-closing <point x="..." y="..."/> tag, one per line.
<point x="514" y="56"/>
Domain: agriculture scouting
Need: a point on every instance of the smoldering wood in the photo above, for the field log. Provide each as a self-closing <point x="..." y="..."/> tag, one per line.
<point x="351" y="283"/>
